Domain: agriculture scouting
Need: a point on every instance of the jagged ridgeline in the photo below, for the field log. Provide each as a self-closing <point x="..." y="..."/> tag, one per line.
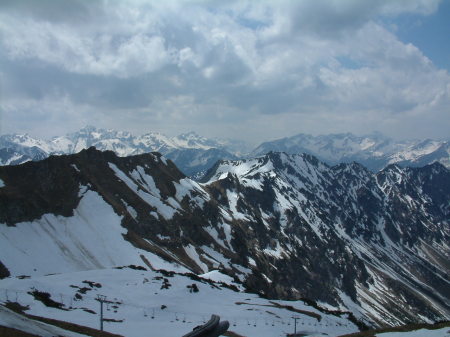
<point x="194" y="154"/>
<point x="284" y="226"/>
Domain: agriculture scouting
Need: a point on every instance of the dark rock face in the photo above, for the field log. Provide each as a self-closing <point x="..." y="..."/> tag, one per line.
<point x="4" y="272"/>
<point x="287" y="226"/>
<point x="36" y="188"/>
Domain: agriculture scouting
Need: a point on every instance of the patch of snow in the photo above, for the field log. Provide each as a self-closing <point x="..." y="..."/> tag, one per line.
<point x="242" y="270"/>
<point x="146" y="180"/>
<point x="192" y="253"/>
<point x="232" y="200"/>
<point x="276" y="252"/>
<point x="225" y="214"/>
<point x="217" y="276"/>
<point x="75" y="168"/>
<point x="327" y="306"/>
<point x="2" y="184"/>
<point x="165" y="210"/>
<point x="216" y="255"/>
<point x="253" y="183"/>
<point x="122" y="176"/>
<point x="227" y="230"/>
<point x="266" y="278"/>
<point x="130" y="210"/>
<point x="174" y="203"/>
<point x="215" y="235"/>
<point x="213" y="262"/>
<point x="16" y="158"/>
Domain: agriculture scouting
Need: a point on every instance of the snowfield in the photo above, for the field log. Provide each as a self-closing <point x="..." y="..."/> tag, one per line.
<point x="151" y="303"/>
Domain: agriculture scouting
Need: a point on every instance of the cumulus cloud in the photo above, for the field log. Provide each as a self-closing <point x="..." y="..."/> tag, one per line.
<point x="174" y="65"/>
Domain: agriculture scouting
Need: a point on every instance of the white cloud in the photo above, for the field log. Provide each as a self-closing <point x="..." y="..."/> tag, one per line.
<point x="98" y="54"/>
<point x="178" y="64"/>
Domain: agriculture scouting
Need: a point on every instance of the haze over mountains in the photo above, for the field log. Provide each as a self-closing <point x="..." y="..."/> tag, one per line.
<point x="194" y="154"/>
<point x="374" y="151"/>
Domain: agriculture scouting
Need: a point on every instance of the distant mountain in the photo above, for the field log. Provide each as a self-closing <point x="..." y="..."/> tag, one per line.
<point x="192" y="153"/>
<point x="373" y="151"/>
<point x="195" y="162"/>
<point x="284" y="226"/>
<point x="195" y="154"/>
<point x="18" y="149"/>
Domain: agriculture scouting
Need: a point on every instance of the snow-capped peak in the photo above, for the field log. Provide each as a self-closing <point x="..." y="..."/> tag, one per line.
<point x="374" y="151"/>
<point x="191" y="152"/>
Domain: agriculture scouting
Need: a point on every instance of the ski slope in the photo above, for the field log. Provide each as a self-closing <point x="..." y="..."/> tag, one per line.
<point x="152" y="303"/>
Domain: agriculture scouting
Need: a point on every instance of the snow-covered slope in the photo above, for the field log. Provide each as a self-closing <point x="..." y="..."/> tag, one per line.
<point x="152" y="303"/>
<point x="374" y="151"/>
<point x="90" y="239"/>
<point x="284" y="226"/>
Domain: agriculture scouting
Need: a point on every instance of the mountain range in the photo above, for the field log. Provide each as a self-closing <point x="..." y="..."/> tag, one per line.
<point x="286" y="227"/>
<point x="194" y="154"/>
<point x="374" y="151"/>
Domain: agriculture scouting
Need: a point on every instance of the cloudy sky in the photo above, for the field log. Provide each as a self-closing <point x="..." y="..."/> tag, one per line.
<point x="254" y="70"/>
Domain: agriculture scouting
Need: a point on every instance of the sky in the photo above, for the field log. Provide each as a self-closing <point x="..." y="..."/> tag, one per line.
<point x="251" y="70"/>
